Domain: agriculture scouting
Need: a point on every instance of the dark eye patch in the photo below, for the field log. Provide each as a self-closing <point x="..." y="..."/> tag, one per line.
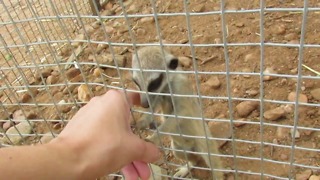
<point x="173" y="64"/>
<point x="155" y="84"/>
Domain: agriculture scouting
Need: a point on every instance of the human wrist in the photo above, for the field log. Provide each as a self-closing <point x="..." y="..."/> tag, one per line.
<point x="71" y="156"/>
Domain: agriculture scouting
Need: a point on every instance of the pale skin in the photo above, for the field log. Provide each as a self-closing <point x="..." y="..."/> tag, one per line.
<point x="97" y="141"/>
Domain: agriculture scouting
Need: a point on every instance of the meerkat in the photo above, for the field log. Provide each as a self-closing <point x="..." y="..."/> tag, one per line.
<point x="154" y="58"/>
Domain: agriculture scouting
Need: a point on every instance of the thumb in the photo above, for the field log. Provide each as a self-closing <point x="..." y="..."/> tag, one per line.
<point x="142" y="150"/>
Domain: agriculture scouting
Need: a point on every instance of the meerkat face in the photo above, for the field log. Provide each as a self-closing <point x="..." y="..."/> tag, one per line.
<point x="152" y="58"/>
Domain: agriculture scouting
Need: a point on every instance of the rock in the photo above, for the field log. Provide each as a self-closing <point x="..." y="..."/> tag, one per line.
<point x="304" y="175"/>
<point x="72" y="72"/>
<point x="157" y="172"/>
<point x="96" y="24"/>
<point x="63" y="107"/>
<point x="46" y="138"/>
<point x="314" y="177"/>
<point x="290" y="36"/>
<point x="97" y="72"/>
<point x="278" y="29"/>
<point x="7" y="125"/>
<point x="240" y="123"/>
<point x="69" y="88"/>
<point x="101" y="47"/>
<point x="246" y="107"/>
<point x="83" y="93"/>
<point x="79" y="37"/>
<point x="52" y="79"/>
<point x="132" y="9"/>
<point x="147" y="20"/>
<point x="246" y="70"/>
<point x="213" y="82"/>
<point x="44" y="73"/>
<point x="24" y="128"/>
<point x="296" y="135"/>
<point x="239" y="24"/>
<point x="252" y="92"/>
<point x="20" y="115"/>
<point x="185" y="61"/>
<point x="109" y="30"/>
<point x="198" y="8"/>
<point x="288" y="108"/>
<point x="78" y="78"/>
<point x="315" y="93"/>
<point x="251" y="58"/>
<point x="28" y="95"/>
<point x="269" y="70"/>
<point x="217" y="41"/>
<point x="282" y="132"/>
<point x="88" y="29"/>
<point x="302" y="98"/>
<point x="108" y="60"/>
<point x="274" y="114"/>
<point x="220" y="130"/>
<point x="284" y="157"/>
<point x="141" y="32"/>
<point x="55" y="73"/>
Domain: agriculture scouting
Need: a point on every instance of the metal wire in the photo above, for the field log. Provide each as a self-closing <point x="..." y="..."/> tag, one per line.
<point x="33" y="33"/>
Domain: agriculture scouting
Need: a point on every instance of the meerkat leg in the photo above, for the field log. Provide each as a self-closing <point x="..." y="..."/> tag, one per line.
<point x="214" y="160"/>
<point x="183" y="171"/>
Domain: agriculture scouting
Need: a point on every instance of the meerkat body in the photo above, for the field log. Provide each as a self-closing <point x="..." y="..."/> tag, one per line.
<point x="154" y="58"/>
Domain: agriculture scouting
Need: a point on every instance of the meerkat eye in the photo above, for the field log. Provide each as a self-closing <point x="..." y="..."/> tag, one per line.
<point x="173" y="64"/>
<point x="155" y="84"/>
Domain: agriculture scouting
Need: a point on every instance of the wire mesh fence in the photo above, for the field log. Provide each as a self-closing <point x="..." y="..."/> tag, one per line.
<point x="253" y="65"/>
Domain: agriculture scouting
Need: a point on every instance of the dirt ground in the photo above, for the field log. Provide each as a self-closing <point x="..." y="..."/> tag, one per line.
<point x="279" y="27"/>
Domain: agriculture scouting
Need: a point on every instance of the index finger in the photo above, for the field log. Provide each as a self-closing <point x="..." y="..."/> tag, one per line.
<point x="131" y="97"/>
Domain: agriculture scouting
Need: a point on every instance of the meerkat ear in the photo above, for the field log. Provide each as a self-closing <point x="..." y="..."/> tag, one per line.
<point x="173" y="64"/>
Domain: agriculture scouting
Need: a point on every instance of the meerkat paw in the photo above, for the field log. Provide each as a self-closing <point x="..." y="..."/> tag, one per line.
<point x="182" y="172"/>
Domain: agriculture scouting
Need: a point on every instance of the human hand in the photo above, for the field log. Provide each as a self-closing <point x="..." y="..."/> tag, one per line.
<point x="100" y="135"/>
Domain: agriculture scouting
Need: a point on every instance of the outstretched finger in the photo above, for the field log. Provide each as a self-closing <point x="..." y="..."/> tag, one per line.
<point x="142" y="150"/>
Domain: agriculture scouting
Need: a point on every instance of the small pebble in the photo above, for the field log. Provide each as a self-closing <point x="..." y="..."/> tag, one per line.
<point x="83" y="93"/>
<point x="296" y="135"/>
<point x="7" y="125"/>
<point x="246" y="70"/>
<point x="304" y="175"/>
<point x="240" y="122"/>
<point x="78" y="38"/>
<point x="52" y="80"/>
<point x="72" y="72"/>
<point x="213" y="82"/>
<point x="110" y="60"/>
<point x="239" y="24"/>
<point x="269" y="70"/>
<point x="252" y="92"/>
<point x="251" y="58"/>
<point x="279" y="29"/>
<point x="246" y="107"/>
<point x="315" y="93"/>
<point x="147" y="19"/>
<point x="97" y="72"/>
<point x="13" y="132"/>
<point x="302" y="98"/>
<point x="284" y="157"/>
<point x="282" y="132"/>
<point x="274" y="114"/>
<point x="198" y="8"/>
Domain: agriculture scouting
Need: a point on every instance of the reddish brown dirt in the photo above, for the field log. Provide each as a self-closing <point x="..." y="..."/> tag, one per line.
<point x="279" y="27"/>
